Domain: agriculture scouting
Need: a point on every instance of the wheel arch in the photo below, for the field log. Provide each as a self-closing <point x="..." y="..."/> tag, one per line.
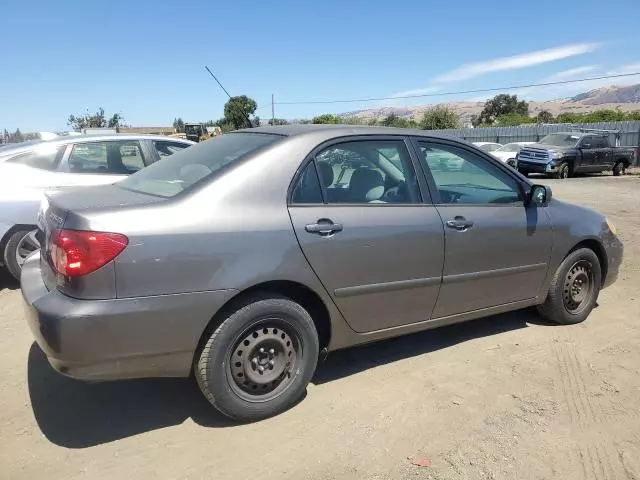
<point x="597" y="247"/>
<point x="296" y="291"/>
<point x="14" y="229"/>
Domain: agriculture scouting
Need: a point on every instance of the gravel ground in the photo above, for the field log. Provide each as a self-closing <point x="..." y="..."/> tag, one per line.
<point x="506" y="397"/>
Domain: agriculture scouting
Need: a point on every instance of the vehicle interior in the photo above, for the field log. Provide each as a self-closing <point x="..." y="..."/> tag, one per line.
<point x="367" y="172"/>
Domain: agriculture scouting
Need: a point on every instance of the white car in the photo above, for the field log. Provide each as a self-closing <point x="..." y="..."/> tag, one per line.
<point x="30" y="168"/>
<point x="487" y="146"/>
<point x="507" y="153"/>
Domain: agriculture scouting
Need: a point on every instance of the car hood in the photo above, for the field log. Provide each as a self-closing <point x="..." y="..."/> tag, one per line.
<point x="548" y="148"/>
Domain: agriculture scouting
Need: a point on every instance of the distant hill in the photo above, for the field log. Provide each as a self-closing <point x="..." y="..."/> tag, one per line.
<point x="612" y="97"/>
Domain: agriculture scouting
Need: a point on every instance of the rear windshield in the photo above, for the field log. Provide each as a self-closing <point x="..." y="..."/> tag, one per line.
<point x="177" y="173"/>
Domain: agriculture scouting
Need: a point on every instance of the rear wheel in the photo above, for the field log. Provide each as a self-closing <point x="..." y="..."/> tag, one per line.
<point x="19" y="246"/>
<point x="259" y="361"/>
<point x="618" y="169"/>
<point x="574" y="288"/>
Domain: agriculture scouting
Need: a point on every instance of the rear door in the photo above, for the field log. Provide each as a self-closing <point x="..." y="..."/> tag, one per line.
<point x="374" y="242"/>
<point x="497" y="250"/>
<point x="166" y="148"/>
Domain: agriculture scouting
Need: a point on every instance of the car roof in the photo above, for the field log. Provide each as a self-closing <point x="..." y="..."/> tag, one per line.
<point x="65" y="139"/>
<point x="340" y="130"/>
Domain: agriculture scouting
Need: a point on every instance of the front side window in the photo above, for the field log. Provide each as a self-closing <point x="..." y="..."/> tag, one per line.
<point x="166" y="149"/>
<point x="45" y="157"/>
<point x="473" y="181"/>
<point x="368" y="171"/>
<point x="110" y="158"/>
<point x="184" y="169"/>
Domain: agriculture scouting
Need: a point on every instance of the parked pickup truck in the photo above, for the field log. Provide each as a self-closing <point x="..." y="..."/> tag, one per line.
<point x="564" y="154"/>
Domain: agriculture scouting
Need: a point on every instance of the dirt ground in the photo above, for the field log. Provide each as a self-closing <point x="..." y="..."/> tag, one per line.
<point x="506" y="397"/>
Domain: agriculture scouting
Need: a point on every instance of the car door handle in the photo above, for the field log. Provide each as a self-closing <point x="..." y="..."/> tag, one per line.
<point x="323" y="227"/>
<point x="460" y="224"/>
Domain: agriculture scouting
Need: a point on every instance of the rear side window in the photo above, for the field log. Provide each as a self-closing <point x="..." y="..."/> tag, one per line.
<point x="110" y="158"/>
<point x="184" y="169"/>
<point x="166" y="149"/>
<point x="43" y="158"/>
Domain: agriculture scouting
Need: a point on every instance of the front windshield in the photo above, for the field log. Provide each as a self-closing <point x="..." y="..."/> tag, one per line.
<point x="560" y="140"/>
<point x="177" y="173"/>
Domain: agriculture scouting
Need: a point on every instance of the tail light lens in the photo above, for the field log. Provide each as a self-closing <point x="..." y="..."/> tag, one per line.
<point x="75" y="253"/>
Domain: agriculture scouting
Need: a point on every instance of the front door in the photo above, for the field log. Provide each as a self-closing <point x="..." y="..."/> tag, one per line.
<point x="375" y="245"/>
<point x="497" y="250"/>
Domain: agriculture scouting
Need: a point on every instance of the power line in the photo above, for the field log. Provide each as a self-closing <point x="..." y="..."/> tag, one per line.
<point x="459" y="92"/>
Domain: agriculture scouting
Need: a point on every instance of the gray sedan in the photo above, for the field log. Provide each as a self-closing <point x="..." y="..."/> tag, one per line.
<point x="245" y="257"/>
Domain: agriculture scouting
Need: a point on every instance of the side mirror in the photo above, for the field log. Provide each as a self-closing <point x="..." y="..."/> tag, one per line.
<point x="539" y="195"/>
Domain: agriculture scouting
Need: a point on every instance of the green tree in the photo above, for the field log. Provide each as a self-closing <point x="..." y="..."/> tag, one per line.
<point x="439" y="118"/>
<point x="224" y="124"/>
<point x="238" y="110"/>
<point x="115" y="121"/>
<point x="326" y="118"/>
<point x="502" y="104"/>
<point x="514" y="119"/>
<point x="178" y="125"/>
<point x="393" y="120"/>
<point x="545" y="116"/>
<point x="16" y="136"/>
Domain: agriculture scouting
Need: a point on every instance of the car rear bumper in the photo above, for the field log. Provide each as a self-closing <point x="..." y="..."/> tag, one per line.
<point x="153" y="336"/>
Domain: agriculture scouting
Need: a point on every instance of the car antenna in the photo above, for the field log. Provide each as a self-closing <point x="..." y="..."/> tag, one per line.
<point x="246" y="117"/>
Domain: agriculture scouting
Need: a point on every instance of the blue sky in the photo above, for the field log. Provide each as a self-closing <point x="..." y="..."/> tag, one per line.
<point x="145" y="59"/>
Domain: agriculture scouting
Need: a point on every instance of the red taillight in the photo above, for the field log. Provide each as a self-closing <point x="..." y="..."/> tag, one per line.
<point x="77" y="252"/>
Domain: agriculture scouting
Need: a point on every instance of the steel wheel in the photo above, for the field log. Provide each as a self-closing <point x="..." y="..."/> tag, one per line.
<point x="26" y="246"/>
<point x="578" y="287"/>
<point x="264" y="360"/>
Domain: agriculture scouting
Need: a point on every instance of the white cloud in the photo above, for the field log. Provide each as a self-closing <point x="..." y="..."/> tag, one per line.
<point x="629" y="68"/>
<point x="472" y="70"/>
<point x="416" y="91"/>
<point x="571" y="73"/>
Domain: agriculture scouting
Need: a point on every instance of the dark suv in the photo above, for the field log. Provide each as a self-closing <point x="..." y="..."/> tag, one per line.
<point x="567" y="153"/>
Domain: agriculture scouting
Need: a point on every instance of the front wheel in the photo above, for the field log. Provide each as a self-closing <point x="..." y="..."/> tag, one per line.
<point x="19" y="246"/>
<point x="563" y="171"/>
<point x="526" y="174"/>
<point x="574" y="288"/>
<point x="260" y="359"/>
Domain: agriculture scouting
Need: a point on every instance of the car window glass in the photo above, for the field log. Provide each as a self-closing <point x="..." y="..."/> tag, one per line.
<point x="112" y="158"/>
<point x="307" y="187"/>
<point x="371" y="171"/>
<point x="44" y="158"/>
<point x="598" y="142"/>
<point x="198" y="163"/>
<point x="166" y="149"/>
<point x="462" y="177"/>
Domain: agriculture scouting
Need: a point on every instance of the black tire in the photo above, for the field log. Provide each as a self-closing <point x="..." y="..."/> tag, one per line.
<point x="526" y="174"/>
<point x="14" y="248"/>
<point x="618" y="169"/>
<point x="563" y="171"/>
<point x="564" y="304"/>
<point x="245" y="368"/>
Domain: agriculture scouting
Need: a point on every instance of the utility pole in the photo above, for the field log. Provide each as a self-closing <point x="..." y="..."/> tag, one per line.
<point x="273" y="111"/>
